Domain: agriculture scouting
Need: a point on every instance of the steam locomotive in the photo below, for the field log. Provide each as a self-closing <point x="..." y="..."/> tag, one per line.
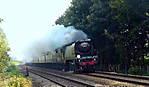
<point x="77" y="56"/>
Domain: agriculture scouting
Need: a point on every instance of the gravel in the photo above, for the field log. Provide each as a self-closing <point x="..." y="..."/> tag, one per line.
<point x="38" y="81"/>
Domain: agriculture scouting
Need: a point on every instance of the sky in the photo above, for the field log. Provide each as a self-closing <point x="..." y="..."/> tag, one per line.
<point x="27" y="20"/>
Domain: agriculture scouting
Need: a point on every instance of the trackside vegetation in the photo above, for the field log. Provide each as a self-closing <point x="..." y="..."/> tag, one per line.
<point x="10" y="76"/>
<point x="119" y="29"/>
<point x="14" y="78"/>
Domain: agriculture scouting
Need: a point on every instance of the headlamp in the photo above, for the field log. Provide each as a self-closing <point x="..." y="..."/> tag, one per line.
<point x="78" y="56"/>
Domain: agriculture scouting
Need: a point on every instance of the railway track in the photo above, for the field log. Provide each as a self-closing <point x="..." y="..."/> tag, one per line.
<point x="88" y="81"/>
<point x="62" y="80"/>
<point x="98" y="79"/>
<point x="140" y="80"/>
<point x="45" y="77"/>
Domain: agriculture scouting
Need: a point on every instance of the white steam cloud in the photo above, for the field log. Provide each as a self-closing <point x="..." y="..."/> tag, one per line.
<point x="56" y="37"/>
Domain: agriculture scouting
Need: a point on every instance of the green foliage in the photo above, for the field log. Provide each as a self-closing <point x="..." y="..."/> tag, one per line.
<point x="118" y="27"/>
<point x="135" y="70"/>
<point x="3" y="52"/>
<point x="1" y="20"/>
<point x="145" y="74"/>
<point x="146" y="59"/>
<point x="14" y="79"/>
<point x="10" y="76"/>
<point x="11" y="67"/>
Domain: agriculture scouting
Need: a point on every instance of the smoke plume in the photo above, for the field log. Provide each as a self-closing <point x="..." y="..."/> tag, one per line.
<point x="56" y="37"/>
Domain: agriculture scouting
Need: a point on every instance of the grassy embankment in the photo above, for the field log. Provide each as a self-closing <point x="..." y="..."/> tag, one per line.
<point x="14" y="78"/>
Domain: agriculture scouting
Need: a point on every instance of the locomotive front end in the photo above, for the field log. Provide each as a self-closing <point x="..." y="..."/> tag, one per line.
<point x="86" y="55"/>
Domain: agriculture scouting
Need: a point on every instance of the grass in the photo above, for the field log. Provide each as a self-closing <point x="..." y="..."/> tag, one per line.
<point x="14" y="78"/>
<point x="145" y="74"/>
<point x="15" y="81"/>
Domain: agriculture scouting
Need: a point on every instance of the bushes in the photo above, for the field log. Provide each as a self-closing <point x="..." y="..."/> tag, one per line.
<point x="19" y="81"/>
<point x="135" y="70"/>
<point x="14" y="79"/>
<point x="9" y="75"/>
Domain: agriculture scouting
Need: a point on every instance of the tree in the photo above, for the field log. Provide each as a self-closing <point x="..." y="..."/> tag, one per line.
<point x="3" y="52"/>
<point x="1" y="20"/>
<point x="118" y="27"/>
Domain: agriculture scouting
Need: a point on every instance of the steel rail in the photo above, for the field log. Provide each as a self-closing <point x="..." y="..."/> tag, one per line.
<point x="59" y="76"/>
<point x="113" y="77"/>
<point x="124" y="75"/>
<point x="38" y="74"/>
